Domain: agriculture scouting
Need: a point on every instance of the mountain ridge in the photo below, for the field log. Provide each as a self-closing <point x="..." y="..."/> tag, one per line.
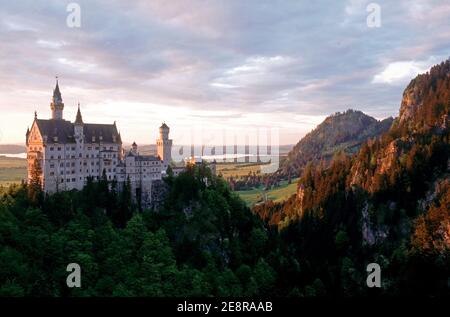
<point x="343" y="131"/>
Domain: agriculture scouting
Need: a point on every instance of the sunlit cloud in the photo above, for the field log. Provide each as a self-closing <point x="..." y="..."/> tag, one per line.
<point x="234" y="64"/>
<point x="401" y="71"/>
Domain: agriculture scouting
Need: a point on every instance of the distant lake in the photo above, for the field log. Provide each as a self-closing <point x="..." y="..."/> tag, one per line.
<point x="20" y="155"/>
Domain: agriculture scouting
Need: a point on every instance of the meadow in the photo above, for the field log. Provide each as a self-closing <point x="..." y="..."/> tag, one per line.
<point x="12" y="170"/>
<point x="237" y="170"/>
<point x="278" y="194"/>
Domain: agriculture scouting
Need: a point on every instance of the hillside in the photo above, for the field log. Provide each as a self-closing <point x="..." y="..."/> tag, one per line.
<point x="12" y="170"/>
<point x="389" y="203"/>
<point x="12" y="148"/>
<point x="339" y="132"/>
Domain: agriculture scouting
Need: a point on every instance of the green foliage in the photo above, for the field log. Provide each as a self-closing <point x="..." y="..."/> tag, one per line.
<point x="203" y="241"/>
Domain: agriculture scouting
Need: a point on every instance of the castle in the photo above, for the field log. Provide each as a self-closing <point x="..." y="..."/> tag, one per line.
<point x="69" y="153"/>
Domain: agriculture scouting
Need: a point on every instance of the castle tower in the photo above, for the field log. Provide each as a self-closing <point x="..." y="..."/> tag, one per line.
<point x="164" y="145"/>
<point x="78" y="126"/>
<point x="57" y="105"/>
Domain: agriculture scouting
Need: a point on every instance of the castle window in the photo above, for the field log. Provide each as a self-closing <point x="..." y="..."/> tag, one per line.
<point x="79" y="155"/>
<point x="59" y="157"/>
<point x="59" y="148"/>
<point x="51" y="157"/>
<point x="51" y="148"/>
<point x="52" y="165"/>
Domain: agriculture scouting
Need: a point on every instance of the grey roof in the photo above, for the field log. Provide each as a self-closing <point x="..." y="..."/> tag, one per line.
<point x="147" y="158"/>
<point x="64" y="131"/>
<point x="164" y="126"/>
<point x="79" y="118"/>
<point x="57" y="92"/>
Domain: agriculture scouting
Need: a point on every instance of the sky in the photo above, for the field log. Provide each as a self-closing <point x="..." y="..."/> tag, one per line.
<point x="213" y="65"/>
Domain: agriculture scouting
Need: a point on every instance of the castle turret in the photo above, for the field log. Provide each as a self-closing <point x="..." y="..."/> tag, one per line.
<point x="57" y="106"/>
<point x="164" y="145"/>
<point x="134" y="148"/>
<point x="78" y="126"/>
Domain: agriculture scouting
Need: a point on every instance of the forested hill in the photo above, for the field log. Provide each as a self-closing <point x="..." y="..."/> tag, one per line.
<point x="389" y="203"/>
<point x="339" y="132"/>
<point x="203" y="241"/>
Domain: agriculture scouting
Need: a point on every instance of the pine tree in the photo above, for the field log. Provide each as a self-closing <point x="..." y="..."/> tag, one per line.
<point x="35" y="193"/>
<point x="125" y="208"/>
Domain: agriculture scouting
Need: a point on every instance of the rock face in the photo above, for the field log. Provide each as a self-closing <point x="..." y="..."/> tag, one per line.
<point x="411" y="101"/>
<point x="390" y="154"/>
<point x="421" y="102"/>
<point x="371" y="234"/>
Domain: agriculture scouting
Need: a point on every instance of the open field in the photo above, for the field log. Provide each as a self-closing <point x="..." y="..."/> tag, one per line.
<point x="238" y="169"/>
<point x="278" y="194"/>
<point x="12" y="170"/>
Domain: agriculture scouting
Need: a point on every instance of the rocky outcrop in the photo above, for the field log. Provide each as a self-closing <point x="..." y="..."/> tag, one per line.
<point x="411" y="101"/>
<point x="384" y="162"/>
<point x="370" y="233"/>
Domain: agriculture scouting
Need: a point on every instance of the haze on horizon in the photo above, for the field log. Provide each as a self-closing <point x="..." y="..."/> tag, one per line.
<point x="213" y="65"/>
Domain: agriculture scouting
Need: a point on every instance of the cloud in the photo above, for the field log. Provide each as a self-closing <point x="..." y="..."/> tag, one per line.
<point x="403" y="71"/>
<point x="214" y="63"/>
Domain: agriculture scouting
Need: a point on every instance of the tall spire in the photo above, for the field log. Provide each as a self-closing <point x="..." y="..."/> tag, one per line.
<point x="57" y="105"/>
<point x="79" y="119"/>
<point x="57" y="92"/>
